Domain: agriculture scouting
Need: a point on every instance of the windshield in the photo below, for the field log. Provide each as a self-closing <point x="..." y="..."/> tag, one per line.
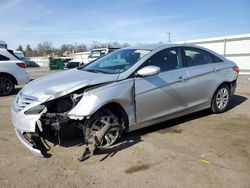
<point x="116" y="62"/>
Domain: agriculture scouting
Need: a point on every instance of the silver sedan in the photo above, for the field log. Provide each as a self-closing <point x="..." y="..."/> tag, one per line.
<point x="125" y="90"/>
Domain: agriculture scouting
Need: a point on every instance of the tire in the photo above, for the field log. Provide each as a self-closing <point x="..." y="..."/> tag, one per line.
<point x="100" y="119"/>
<point x="7" y="85"/>
<point x="221" y="99"/>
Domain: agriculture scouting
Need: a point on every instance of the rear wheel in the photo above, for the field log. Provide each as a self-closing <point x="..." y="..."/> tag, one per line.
<point x="7" y="85"/>
<point x="221" y="99"/>
<point x="98" y="121"/>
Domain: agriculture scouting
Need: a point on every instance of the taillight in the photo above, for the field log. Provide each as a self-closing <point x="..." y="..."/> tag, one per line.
<point x="236" y="69"/>
<point x="22" y="65"/>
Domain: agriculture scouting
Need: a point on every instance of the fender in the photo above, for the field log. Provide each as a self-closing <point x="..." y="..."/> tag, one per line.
<point x="121" y="92"/>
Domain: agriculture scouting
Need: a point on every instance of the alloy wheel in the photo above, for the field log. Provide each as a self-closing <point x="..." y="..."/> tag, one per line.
<point x="112" y="134"/>
<point x="222" y="98"/>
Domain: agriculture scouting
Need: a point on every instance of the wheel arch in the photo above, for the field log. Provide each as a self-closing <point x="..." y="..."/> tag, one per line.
<point x="228" y="83"/>
<point x="10" y="76"/>
<point x="118" y="110"/>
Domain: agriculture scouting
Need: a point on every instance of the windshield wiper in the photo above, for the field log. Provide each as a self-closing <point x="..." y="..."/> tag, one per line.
<point x="95" y="71"/>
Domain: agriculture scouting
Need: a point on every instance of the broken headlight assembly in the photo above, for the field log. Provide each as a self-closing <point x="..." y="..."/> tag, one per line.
<point x="58" y="105"/>
<point x="35" y="110"/>
<point x="54" y="118"/>
<point x="64" y="103"/>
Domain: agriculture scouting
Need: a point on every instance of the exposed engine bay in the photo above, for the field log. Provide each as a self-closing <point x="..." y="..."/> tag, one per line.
<point x="55" y="114"/>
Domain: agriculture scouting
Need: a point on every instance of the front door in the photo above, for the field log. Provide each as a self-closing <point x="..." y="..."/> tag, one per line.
<point x="165" y="93"/>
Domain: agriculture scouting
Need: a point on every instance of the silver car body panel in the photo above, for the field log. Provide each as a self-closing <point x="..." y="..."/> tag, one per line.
<point x="117" y="92"/>
<point x="159" y="95"/>
<point x="146" y="100"/>
<point x="62" y="83"/>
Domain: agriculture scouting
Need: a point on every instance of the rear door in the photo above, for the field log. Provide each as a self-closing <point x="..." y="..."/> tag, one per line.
<point x="201" y="74"/>
<point x="165" y="93"/>
<point x="4" y="62"/>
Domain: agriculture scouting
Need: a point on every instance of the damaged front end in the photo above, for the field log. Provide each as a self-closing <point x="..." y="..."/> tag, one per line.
<point x="35" y="120"/>
<point x="95" y="113"/>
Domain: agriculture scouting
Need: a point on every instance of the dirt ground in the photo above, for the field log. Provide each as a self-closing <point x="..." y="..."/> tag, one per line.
<point x="198" y="150"/>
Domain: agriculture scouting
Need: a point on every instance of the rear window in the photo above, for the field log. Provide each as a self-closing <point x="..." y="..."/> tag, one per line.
<point x="194" y="57"/>
<point x="4" y="58"/>
<point x="12" y="53"/>
<point x="215" y="59"/>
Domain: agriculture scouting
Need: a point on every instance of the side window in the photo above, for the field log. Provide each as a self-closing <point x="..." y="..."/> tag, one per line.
<point x="3" y="58"/>
<point x="168" y="59"/>
<point x="72" y="64"/>
<point x="215" y="59"/>
<point x="195" y="57"/>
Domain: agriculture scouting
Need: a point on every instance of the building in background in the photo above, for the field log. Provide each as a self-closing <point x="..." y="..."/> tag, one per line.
<point x="42" y="61"/>
<point x="80" y="55"/>
<point x="234" y="47"/>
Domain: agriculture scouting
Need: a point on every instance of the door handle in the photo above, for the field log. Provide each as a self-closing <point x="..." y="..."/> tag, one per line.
<point x="182" y="78"/>
<point x="215" y="69"/>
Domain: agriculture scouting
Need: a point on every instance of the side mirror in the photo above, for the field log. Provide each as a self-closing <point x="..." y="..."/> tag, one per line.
<point x="148" y="71"/>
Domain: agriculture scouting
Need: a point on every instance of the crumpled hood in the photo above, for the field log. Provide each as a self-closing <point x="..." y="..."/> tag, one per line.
<point x="62" y="83"/>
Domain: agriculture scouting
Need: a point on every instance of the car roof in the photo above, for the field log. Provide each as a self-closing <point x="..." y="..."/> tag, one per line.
<point x="159" y="45"/>
<point x="75" y="60"/>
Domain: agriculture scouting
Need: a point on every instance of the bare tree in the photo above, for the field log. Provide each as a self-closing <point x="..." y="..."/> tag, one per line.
<point x="45" y="48"/>
<point x="66" y="49"/>
<point x="81" y="48"/>
<point x="115" y="44"/>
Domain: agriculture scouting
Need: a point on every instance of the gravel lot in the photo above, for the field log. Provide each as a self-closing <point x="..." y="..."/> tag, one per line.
<point x="198" y="150"/>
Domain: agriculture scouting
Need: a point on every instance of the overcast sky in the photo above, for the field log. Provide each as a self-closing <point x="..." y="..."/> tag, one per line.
<point x="133" y="21"/>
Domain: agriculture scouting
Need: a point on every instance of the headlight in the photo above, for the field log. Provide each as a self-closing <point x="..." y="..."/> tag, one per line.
<point x="35" y="110"/>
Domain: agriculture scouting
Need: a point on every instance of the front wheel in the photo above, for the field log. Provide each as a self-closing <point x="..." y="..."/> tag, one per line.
<point x="221" y="99"/>
<point x="98" y="121"/>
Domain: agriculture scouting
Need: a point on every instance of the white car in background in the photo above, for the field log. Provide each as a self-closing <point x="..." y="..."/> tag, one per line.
<point x="75" y="63"/>
<point x="12" y="72"/>
<point x="99" y="52"/>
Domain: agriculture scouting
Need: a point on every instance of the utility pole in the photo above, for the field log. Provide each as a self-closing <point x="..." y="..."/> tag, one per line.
<point x="75" y="47"/>
<point x="169" y="34"/>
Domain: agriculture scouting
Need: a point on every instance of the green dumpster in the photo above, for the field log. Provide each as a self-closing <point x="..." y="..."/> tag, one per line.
<point x="56" y="64"/>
